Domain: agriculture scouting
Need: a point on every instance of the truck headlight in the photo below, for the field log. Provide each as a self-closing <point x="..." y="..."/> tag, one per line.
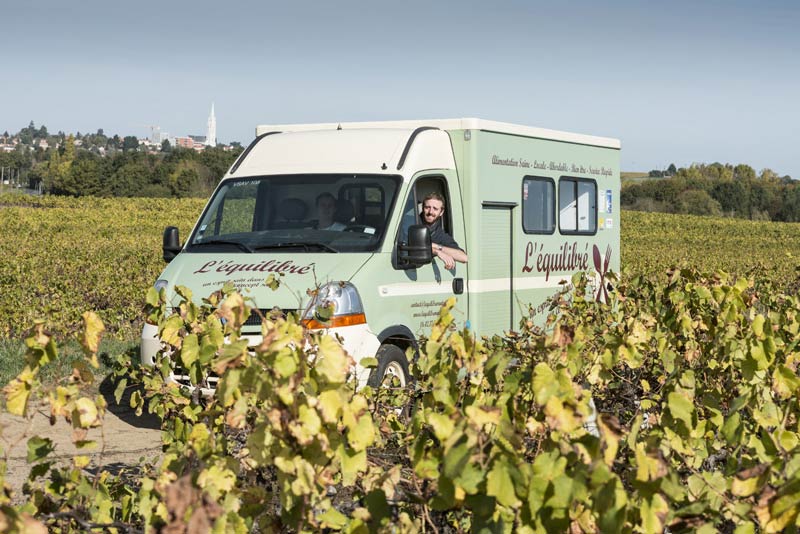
<point x="335" y="304"/>
<point x="159" y="285"/>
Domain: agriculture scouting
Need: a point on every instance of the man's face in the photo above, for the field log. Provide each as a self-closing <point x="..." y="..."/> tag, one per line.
<point x="326" y="207"/>
<point x="432" y="209"/>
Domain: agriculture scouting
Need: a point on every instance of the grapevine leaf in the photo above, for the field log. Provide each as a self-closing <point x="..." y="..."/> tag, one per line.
<point x="85" y="413"/>
<point x="39" y="448"/>
<point x="190" y="351"/>
<point x="333" y="363"/>
<point x="500" y="485"/>
<point x="17" y="393"/>
<point x="681" y="408"/>
<point x="92" y="333"/>
<point x="362" y="434"/>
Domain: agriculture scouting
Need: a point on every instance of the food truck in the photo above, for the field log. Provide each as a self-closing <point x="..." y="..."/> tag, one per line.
<point x="529" y="207"/>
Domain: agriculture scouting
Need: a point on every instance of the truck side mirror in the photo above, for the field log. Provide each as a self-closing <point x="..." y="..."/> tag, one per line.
<point x="418" y="250"/>
<point x="171" y="243"/>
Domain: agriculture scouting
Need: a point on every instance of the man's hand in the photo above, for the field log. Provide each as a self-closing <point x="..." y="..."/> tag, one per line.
<point x="449" y="262"/>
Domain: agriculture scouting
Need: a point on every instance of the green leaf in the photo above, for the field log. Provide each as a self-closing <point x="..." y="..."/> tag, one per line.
<point x="272" y="282"/>
<point x="442" y="425"/>
<point x="787" y="440"/>
<point x="39" y="448"/>
<point x="500" y="485"/>
<point x="681" y="408"/>
<point x="362" y="434"/>
<point x="745" y="528"/>
<point x="456" y="458"/>
<point x="732" y="429"/>
<point x="329" y="404"/>
<point x="152" y="297"/>
<point x="758" y="325"/>
<point x="119" y="391"/>
<point x="544" y="383"/>
<point x="332" y="518"/>
<point x="190" y="350"/>
<point x="654" y="512"/>
<point x="368" y="362"/>
<point x="749" y="481"/>
<point x="285" y="363"/>
<point x="352" y="463"/>
<point x="332" y="364"/>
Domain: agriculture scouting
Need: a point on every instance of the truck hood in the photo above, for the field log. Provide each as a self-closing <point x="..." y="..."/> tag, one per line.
<point x="297" y="273"/>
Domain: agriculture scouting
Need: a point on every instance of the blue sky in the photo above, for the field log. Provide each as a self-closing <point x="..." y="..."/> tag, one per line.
<point x="675" y="81"/>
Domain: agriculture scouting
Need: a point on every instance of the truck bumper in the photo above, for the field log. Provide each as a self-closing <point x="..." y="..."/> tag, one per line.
<point x="358" y="341"/>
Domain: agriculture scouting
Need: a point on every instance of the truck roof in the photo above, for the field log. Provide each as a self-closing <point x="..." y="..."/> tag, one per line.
<point x="451" y="124"/>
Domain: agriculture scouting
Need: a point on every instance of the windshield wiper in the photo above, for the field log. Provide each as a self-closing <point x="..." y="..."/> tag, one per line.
<point x="242" y="246"/>
<point x="306" y="246"/>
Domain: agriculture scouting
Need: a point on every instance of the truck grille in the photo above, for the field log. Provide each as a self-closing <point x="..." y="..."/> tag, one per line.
<point x="269" y="313"/>
<point x="255" y="316"/>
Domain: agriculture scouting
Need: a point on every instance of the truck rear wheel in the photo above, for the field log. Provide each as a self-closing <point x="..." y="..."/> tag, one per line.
<point x="391" y="363"/>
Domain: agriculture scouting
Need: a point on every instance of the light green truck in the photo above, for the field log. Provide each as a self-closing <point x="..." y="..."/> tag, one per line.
<point x="529" y="206"/>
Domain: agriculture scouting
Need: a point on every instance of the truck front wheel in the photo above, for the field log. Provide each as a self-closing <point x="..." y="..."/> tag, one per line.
<point x="391" y="363"/>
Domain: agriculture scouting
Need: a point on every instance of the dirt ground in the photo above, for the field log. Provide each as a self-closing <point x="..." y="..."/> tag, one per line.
<point x="123" y="440"/>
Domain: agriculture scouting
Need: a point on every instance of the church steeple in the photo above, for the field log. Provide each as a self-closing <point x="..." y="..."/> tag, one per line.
<point x="211" y="133"/>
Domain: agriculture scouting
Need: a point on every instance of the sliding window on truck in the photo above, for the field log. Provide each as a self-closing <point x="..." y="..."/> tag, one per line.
<point x="577" y="206"/>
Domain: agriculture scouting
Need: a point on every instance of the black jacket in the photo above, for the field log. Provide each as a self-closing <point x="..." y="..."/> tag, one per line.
<point x="440" y="237"/>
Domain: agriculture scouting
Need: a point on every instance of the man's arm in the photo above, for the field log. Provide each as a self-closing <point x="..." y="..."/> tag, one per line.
<point x="449" y="255"/>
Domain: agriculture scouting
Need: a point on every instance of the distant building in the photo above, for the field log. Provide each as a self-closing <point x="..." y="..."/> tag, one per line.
<point x="198" y="142"/>
<point x="211" y="133"/>
<point x="184" y="142"/>
<point x="195" y="142"/>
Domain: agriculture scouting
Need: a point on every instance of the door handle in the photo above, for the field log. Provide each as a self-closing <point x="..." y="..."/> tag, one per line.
<point x="458" y="286"/>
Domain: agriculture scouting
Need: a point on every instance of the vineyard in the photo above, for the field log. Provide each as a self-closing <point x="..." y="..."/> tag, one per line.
<point x="692" y="370"/>
<point x="61" y="256"/>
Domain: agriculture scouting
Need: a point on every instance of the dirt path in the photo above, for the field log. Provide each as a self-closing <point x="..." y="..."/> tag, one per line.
<point x="123" y="440"/>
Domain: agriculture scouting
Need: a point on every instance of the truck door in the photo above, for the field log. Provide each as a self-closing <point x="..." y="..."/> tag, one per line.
<point x="427" y="287"/>
<point x="496" y="306"/>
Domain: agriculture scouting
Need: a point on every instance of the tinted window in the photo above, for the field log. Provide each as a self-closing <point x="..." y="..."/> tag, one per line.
<point x="301" y="213"/>
<point x="538" y="205"/>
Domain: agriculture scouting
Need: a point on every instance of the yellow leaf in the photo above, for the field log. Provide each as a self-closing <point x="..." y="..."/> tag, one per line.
<point x="93" y="329"/>
<point x="85" y="413"/>
<point x="216" y="480"/>
<point x="17" y="393"/>
<point x="481" y="416"/>
<point x="330" y="405"/>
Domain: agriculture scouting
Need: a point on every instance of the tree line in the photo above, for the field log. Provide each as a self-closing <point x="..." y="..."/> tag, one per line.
<point x="720" y="190"/>
<point x="98" y="165"/>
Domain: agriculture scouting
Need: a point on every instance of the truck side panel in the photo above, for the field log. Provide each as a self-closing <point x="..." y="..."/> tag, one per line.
<point x="514" y="268"/>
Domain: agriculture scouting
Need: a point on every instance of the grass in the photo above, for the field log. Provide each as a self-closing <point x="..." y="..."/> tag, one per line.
<point x="633" y="176"/>
<point x="12" y="358"/>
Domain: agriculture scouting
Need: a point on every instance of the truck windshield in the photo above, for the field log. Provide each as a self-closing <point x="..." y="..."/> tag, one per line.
<point x="297" y="213"/>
